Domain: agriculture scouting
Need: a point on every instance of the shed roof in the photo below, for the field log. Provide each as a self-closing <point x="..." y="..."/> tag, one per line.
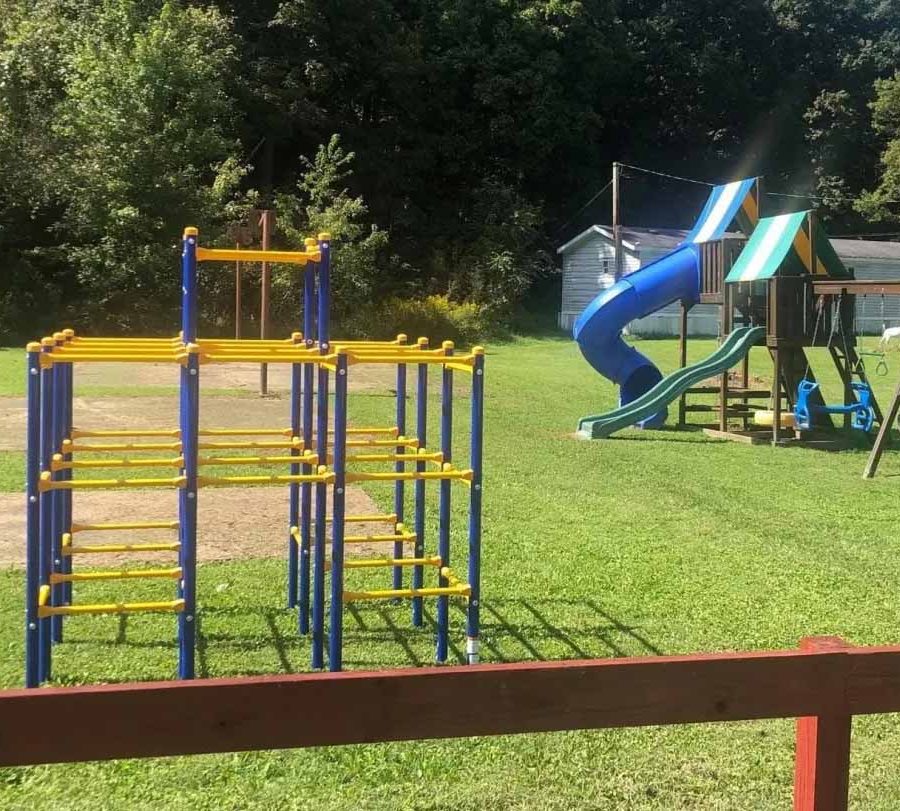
<point x="670" y="238"/>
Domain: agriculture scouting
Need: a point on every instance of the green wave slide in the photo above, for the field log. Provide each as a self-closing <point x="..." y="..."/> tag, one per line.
<point x="732" y="350"/>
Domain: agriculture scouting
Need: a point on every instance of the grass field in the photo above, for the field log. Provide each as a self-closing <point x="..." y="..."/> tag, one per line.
<point x="650" y="542"/>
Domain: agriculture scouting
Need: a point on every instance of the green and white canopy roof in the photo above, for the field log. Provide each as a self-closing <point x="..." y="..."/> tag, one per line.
<point x="780" y="246"/>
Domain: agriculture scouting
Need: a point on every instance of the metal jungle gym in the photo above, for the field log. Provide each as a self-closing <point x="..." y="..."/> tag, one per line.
<point x="322" y="456"/>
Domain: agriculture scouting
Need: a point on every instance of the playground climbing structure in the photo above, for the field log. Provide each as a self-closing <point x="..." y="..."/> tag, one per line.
<point x="316" y="457"/>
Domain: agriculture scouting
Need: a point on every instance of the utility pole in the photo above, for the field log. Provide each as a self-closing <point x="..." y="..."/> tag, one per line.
<point x="616" y="223"/>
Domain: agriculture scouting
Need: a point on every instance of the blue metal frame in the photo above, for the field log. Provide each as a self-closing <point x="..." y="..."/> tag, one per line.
<point x="475" y="496"/>
<point x="336" y="620"/>
<point x="443" y="603"/>
<point x="32" y="515"/>
<point x="309" y="338"/>
<point x="45" y="561"/>
<point x="293" y="551"/>
<point x="399" y="467"/>
<point x="318" y="612"/>
<point x="419" y="489"/>
<point x="189" y="421"/>
<point x="57" y="591"/>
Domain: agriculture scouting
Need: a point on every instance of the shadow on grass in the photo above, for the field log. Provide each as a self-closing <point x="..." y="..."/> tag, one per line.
<point x="379" y="636"/>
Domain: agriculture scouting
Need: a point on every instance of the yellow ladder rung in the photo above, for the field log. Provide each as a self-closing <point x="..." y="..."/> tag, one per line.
<point x="47" y="483"/>
<point x="245" y="432"/>
<point x="74" y="447"/>
<point x="400" y="537"/>
<point x="462" y="590"/>
<point x="122" y="574"/>
<point x="386" y="518"/>
<point x="294" y="442"/>
<point x="306" y="459"/>
<point x="375" y="563"/>
<point x="78" y="433"/>
<point x="58" y="463"/>
<point x="110" y="608"/>
<point x="126" y="525"/>
<point x="100" y="549"/>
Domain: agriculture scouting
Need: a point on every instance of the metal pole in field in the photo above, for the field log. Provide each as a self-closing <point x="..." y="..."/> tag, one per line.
<point x="616" y="215"/>
<point x="46" y="507"/>
<point x="419" y="489"/>
<point x="443" y="604"/>
<point x="399" y="467"/>
<point x="318" y="641"/>
<point x="187" y="495"/>
<point x="309" y="339"/>
<point x="32" y="513"/>
<point x="265" y="292"/>
<point x="475" y="495"/>
<point x="336" y="621"/>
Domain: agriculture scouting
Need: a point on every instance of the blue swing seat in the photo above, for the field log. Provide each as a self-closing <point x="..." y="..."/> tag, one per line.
<point x="862" y="414"/>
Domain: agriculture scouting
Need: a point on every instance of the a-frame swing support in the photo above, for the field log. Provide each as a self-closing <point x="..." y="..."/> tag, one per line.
<point x="884" y="433"/>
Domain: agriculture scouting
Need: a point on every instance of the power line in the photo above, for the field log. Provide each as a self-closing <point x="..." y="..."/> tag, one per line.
<point x="670" y="177"/>
<point x="580" y="210"/>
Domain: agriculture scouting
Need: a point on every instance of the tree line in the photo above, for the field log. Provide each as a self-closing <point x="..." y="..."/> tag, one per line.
<point x="445" y="143"/>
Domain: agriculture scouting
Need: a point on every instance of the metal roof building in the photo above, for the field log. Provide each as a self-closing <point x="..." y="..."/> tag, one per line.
<point x="588" y="266"/>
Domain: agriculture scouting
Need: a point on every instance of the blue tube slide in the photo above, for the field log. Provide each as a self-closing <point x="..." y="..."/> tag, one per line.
<point x="598" y="330"/>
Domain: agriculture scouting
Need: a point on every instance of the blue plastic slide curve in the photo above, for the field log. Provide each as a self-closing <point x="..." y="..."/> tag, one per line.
<point x="598" y="330"/>
<point x="732" y="350"/>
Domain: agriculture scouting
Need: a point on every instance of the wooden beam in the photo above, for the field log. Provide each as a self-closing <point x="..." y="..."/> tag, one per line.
<point x="884" y="435"/>
<point x="321" y="709"/>
<point x="871" y="287"/>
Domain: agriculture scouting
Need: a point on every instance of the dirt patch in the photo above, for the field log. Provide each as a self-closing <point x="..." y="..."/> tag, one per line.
<point x="237" y="523"/>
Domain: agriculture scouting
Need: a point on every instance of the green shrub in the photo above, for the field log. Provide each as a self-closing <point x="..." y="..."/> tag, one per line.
<point x="434" y="317"/>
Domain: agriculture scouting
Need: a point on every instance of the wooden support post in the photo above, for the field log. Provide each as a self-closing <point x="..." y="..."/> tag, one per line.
<point x="682" y="360"/>
<point x="745" y="384"/>
<point x="265" y="293"/>
<point x="822" y="764"/>
<point x="726" y="330"/>
<point x="776" y="395"/>
<point x="884" y="433"/>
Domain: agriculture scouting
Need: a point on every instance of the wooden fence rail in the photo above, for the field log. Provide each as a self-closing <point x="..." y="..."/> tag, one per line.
<point x="823" y="684"/>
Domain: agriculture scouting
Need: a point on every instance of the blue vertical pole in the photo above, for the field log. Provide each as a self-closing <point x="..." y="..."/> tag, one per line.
<point x="475" y="460"/>
<point x="67" y="474"/>
<point x="318" y="641"/>
<point x="293" y="551"/>
<point x="32" y="513"/>
<point x="399" y="490"/>
<point x="45" y="559"/>
<point x="57" y="496"/>
<point x="419" y="490"/>
<point x="309" y="339"/>
<point x="336" y="620"/>
<point x="189" y="421"/>
<point x="443" y="605"/>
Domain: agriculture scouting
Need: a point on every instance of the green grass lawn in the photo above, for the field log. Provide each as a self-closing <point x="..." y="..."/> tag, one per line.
<point x="649" y="542"/>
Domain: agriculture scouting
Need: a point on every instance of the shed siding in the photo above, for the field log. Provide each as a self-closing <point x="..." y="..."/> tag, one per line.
<point x="588" y="268"/>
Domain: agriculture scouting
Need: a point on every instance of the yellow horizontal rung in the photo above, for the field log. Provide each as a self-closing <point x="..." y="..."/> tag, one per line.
<point x="74" y="447"/>
<point x="375" y="563"/>
<point x="399" y="537"/>
<point x="410" y="475"/>
<point x="409" y="358"/>
<point x="263" y="357"/>
<point x="58" y="463"/>
<point x="116" y="548"/>
<point x="111" y="608"/>
<point x="435" y="456"/>
<point x="294" y="442"/>
<point x="125" y="525"/>
<point x="357" y="431"/>
<point x="47" y="359"/>
<point x="218" y="481"/>
<point x="43" y="596"/>
<point x="239" y="255"/>
<point x="245" y="432"/>
<point x="460" y="367"/>
<point x="383" y="443"/>
<point x="121" y="574"/>
<point x="77" y="433"/>
<point x="462" y="590"/>
<point x="85" y="339"/>
<point x="374" y="518"/>
<point x="46" y="483"/>
<point x="305" y="459"/>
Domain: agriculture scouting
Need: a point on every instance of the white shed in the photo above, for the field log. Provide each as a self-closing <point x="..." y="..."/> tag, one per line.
<point x="588" y="266"/>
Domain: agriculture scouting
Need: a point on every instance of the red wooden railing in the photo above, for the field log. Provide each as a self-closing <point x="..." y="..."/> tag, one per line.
<point x="823" y="684"/>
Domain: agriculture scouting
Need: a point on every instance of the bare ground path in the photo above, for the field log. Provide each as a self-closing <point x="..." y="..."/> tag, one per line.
<point x="235" y="523"/>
